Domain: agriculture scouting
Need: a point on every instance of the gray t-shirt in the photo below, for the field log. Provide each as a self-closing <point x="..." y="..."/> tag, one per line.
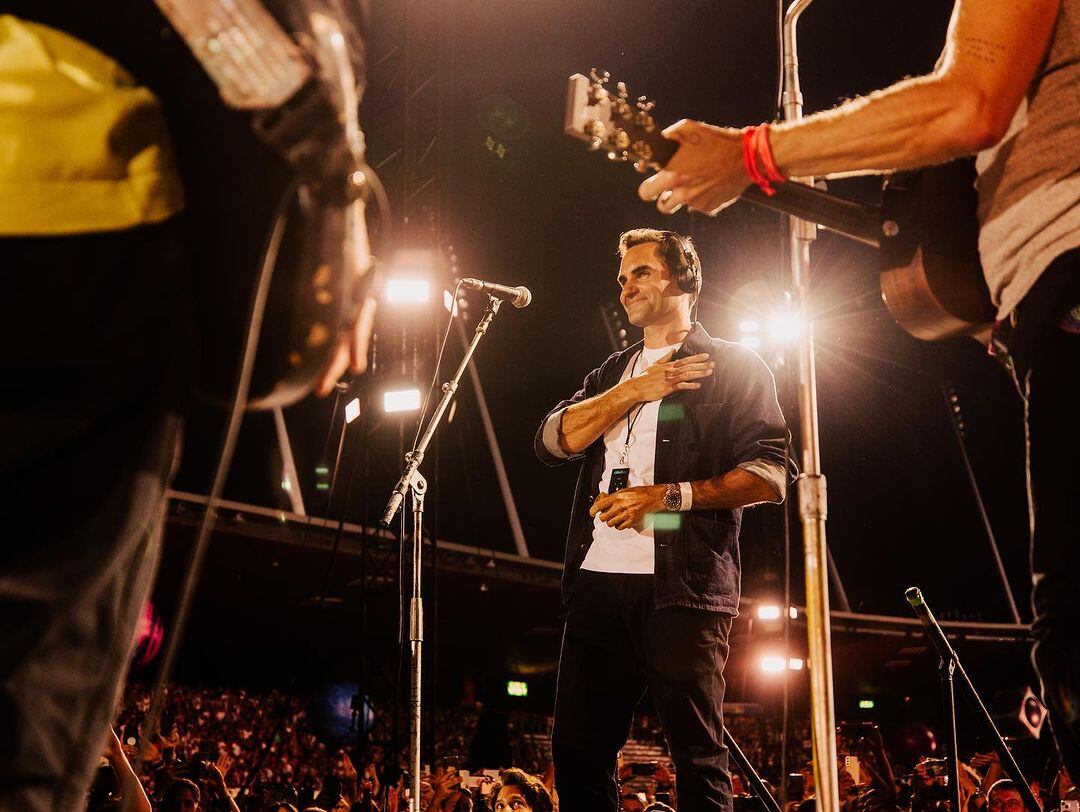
<point x="1029" y="184"/>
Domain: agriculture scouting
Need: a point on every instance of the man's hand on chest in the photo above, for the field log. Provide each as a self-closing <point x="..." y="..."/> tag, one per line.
<point x="666" y="377"/>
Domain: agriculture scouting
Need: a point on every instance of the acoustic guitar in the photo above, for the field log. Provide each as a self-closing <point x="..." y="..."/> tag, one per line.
<point x="925" y="227"/>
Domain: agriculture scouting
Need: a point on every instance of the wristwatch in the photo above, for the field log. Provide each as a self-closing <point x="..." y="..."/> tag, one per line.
<point x="673" y="497"/>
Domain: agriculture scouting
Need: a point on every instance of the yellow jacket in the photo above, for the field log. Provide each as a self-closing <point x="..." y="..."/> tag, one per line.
<point x="82" y="147"/>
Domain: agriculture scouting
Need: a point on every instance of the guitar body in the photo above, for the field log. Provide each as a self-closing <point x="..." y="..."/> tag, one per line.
<point x="931" y="279"/>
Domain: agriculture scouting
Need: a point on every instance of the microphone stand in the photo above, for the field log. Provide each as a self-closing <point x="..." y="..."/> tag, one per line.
<point x="768" y="802"/>
<point x="953" y="673"/>
<point x="414" y="483"/>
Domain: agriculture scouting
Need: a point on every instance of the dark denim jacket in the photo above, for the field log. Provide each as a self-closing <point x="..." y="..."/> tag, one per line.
<point x="732" y="421"/>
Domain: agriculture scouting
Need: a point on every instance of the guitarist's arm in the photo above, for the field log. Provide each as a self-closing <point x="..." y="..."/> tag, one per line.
<point x="992" y="53"/>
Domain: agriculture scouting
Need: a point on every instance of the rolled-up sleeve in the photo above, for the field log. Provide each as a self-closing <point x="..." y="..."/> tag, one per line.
<point x="758" y="431"/>
<point x="547" y="443"/>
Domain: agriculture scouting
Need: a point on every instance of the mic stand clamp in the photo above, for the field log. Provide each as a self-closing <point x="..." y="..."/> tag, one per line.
<point x="414" y="483"/>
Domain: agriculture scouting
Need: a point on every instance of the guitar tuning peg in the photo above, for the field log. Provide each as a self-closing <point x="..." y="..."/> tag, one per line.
<point x="621" y="91"/>
<point x="599" y="76"/>
<point x="620" y="155"/>
<point x="595" y="143"/>
<point x="644" y="104"/>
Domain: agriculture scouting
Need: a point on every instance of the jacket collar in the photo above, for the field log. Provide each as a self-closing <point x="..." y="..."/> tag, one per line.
<point x="696" y="341"/>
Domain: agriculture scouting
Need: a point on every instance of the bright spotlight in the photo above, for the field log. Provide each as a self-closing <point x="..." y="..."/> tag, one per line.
<point x="401" y="400"/>
<point x="405" y="290"/>
<point x="768" y="612"/>
<point x="748" y="326"/>
<point x="785" y="327"/>
<point x="772" y="664"/>
<point x="794" y="664"/>
<point x="753" y="342"/>
<point x="352" y="410"/>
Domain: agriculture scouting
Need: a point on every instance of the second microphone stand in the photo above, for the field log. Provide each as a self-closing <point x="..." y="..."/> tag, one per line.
<point x="413" y="482"/>
<point x="953" y="675"/>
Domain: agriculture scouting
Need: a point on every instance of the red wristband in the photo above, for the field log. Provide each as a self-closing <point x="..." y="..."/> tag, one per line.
<point x="750" y="161"/>
<point x="763" y="152"/>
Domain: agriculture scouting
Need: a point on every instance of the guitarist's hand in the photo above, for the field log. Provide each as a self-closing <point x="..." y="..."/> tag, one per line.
<point x="706" y="173"/>
<point x="351" y="352"/>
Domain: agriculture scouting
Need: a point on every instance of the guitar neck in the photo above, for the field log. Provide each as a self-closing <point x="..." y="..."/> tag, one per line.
<point x="856" y="221"/>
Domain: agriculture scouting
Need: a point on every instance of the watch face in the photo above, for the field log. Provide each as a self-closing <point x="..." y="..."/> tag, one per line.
<point x="672" y="499"/>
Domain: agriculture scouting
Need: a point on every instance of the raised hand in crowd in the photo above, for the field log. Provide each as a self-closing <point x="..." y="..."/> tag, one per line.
<point x="132" y="795"/>
<point x="215" y="777"/>
<point x="427" y="795"/>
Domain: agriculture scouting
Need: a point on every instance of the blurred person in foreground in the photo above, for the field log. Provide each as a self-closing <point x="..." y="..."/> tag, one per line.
<point x="99" y="148"/>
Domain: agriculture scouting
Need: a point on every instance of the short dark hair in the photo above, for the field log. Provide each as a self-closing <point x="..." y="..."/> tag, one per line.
<point x="536" y="794"/>
<point x="1002" y="785"/>
<point x="675" y="249"/>
<point x="171" y="797"/>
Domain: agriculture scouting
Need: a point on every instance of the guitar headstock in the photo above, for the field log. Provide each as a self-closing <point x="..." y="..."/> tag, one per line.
<point x="609" y="120"/>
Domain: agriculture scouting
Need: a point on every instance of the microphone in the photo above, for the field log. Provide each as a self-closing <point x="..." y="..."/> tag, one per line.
<point x="518" y="297"/>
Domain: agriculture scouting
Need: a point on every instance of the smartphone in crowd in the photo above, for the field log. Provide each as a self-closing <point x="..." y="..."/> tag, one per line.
<point x="851" y="764"/>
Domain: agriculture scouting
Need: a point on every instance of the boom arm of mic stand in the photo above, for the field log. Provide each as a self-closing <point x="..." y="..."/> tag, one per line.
<point x="747" y="769"/>
<point x="948" y="654"/>
<point x="415" y="458"/>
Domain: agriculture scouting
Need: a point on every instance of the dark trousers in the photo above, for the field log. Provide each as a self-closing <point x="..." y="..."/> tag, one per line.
<point x="1045" y="347"/>
<point x="88" y="437"/>
<point x="615" y="645"/>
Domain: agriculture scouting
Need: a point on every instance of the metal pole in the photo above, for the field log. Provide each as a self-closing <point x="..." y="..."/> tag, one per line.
<point x="496" y="454"/>
<point x="288" y="464"/>
<point x="417" y="487"/>
<point x="956" y="420"/>
<point x="811" y="484"/>
<point x="952" y="759"/>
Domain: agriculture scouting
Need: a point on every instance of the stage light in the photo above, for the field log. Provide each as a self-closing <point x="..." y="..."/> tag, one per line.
<point x="785" y="327"/>
<point x="866" y="704"/>
<point x="401" y="400"/>
<point x="406" y="290"/>
<point x="517" y="688"/>
<point x="748" y="326"/>
<point x="775" y="664"/>
<point x="352" y="410"/>
<point x="768" y="612"/>
<point x="772" y="664"/>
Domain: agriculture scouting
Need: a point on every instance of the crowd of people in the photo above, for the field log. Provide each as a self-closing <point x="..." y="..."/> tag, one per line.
<point x="236" y="750"/>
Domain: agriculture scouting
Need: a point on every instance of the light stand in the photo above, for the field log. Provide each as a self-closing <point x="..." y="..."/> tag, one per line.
<point x="811" y="484"/>
<point x="413" y="482"/>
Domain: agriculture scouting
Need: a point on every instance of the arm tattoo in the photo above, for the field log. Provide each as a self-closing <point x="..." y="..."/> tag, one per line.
<point x="984" y="50"/>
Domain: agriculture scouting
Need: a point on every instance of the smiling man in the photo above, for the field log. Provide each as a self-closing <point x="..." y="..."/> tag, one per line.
<point x="676" y="435"/>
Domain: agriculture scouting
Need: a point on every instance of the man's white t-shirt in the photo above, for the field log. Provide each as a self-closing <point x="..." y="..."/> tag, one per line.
<point x="629" y="551"/>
